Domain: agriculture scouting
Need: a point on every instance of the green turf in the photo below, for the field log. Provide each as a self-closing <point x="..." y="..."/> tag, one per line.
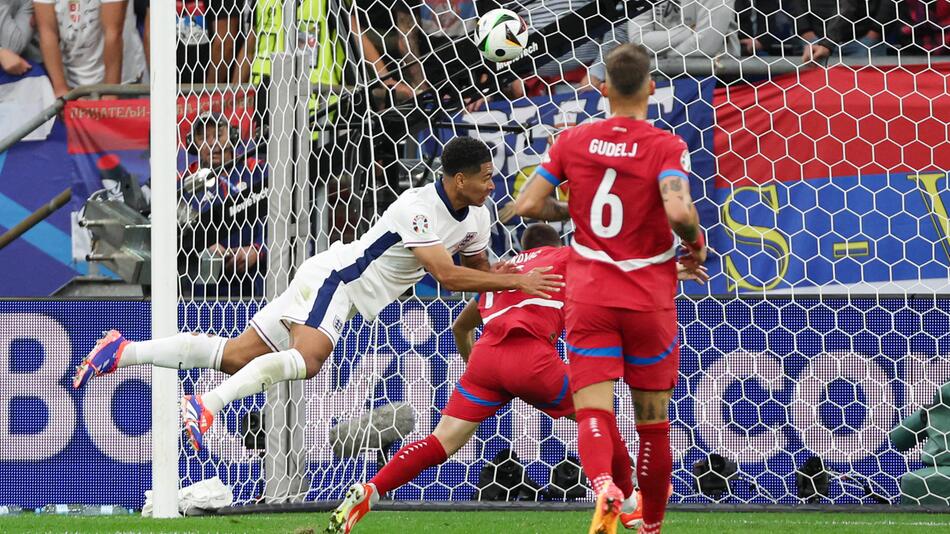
<point x="493" y="522"/>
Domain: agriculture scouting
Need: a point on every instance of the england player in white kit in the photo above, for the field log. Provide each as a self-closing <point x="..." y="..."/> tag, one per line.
<point x="370" y="273"/>
<point x="293" y="335"/>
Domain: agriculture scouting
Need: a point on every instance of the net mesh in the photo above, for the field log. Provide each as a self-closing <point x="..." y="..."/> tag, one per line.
<point x="824" y="327"/>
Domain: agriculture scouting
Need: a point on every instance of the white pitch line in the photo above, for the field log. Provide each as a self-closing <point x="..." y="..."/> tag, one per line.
<point x="830" y="523"/>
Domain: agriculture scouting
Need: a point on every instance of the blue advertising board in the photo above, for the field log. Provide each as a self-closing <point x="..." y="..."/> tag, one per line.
<point x="768" y="383"/>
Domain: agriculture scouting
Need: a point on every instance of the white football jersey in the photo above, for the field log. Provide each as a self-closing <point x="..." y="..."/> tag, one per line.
<point x="379" y="267"/>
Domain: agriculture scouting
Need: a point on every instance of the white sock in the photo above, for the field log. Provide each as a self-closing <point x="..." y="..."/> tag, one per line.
<point x="259" y="375"/>
<point x="181" y="351"/>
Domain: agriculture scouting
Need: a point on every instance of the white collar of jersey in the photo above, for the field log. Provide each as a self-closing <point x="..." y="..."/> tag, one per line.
<point x="458" y="214"/>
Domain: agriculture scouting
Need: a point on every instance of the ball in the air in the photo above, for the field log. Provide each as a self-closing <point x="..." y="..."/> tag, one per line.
<point x="501" y="35"/>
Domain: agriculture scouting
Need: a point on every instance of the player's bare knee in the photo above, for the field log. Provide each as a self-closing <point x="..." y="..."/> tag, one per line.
<point x="314" y="361"/>
<point x="241" y="350"/>
<point x="234" y="359"/>
<point x="454" y="433"/>
<point x="651" y="406"/>
<point x="313" y="345"/>
<point x="599" y="396"/>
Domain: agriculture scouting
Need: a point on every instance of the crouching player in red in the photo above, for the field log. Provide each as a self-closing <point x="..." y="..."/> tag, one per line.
<point x="629" y="193"/>
<point x="518" y="342"/>
<point x="515" y="357"/>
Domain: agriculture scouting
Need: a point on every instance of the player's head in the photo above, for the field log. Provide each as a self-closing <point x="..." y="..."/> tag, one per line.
<point x="628" y="74"/>
<point x="467" y="166"/>
<point x="540" y="235"/>
<point x="211" y="140"/>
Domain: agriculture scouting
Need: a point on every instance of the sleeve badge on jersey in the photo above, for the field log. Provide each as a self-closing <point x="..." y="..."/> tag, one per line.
<point x="684" y="161"/>
<point x="420" y="224"/>
<point x="338" y="324"/>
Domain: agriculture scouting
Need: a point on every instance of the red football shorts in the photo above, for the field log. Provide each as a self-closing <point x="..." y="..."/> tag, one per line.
<point x="520" y="366"/>
<point x="603" y="343"/>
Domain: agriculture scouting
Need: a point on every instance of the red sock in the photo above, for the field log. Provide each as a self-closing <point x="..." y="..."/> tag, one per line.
<point x="620" y="465"/>
<point x="654" y="468"/>
<point x="595" y="445"/>
<point x="408" y="463"/>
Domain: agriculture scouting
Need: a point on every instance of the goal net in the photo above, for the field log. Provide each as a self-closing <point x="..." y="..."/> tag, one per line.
<point x="821" y="188"/>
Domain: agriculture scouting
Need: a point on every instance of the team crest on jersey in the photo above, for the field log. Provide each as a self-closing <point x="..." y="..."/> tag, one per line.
<point x="469" y="237"/>
<point x="420" y="224"/>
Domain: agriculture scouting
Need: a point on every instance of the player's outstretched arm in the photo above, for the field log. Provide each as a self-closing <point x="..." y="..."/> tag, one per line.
<point x="463" y="328"/>
<point x="477" y="261"/>
<point x="536" y="201"/>
<point x="680" y="211"/>
<point x="437" y="261"/>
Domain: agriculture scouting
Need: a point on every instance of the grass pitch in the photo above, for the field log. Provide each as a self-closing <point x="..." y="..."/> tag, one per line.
<point x="541" y="522"/>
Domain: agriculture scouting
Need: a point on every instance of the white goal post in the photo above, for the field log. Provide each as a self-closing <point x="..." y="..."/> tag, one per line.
<point x="822" y="189"/>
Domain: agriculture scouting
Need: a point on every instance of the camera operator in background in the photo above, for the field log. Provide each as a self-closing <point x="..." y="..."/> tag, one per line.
<point x="223" y="213"/>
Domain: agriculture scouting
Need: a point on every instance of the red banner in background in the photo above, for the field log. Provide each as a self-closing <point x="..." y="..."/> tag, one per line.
<point x="836" y="122"/>
<point x="94" y="126"/>
<point x="106" y="125"/>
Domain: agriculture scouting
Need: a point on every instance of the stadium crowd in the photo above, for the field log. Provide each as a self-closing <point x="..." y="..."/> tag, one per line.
<point x="225" y="43"/>
<point x="84" y="42"/>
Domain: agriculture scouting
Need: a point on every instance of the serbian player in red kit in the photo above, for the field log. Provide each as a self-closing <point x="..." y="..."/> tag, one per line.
<point x="515" y="357"/>
<point x="629" y="193"/>
<point x="518" y="341"/>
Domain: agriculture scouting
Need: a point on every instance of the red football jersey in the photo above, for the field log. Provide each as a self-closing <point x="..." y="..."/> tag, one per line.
<point x="505" y="311"/>
<point x="624" y="254"/>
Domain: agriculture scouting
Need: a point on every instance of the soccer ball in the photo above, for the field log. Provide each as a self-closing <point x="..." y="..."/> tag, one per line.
<point x="501" y="35"/>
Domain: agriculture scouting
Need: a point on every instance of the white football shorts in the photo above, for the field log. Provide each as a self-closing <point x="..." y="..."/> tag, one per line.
<point x="316" y="297"/>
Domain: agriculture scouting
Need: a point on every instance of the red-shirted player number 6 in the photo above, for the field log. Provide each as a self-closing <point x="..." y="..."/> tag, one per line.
<point x="603" y="198"/>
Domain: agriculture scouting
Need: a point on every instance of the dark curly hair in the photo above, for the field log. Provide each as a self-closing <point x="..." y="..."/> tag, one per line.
<point x="465" y="155"/>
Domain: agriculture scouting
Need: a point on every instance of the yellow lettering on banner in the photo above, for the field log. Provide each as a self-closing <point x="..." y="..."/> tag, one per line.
<point x="938" y="211"/>
<point x="747" y="234"/>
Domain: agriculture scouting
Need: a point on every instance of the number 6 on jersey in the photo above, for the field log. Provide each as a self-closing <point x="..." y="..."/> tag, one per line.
<point x="604" y="199"/>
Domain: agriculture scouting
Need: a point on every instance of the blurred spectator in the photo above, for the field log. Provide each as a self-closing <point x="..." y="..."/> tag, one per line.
<point x="194" y="42"/>
<point x="208" y="35"/>
<point x="681" y="28"/>
<point x="390" y="40"/>
<point x="16" y="28"/>
<point x="450" y="18"/>
<point x="571" y="68"/>
<point x="88" y="42"/>
<point x="223" y="24"/>
<point x="390" y="36"/>
<point x="676" y="28"/>
<point x="226" y="189"/>
<point x="141" y="10"/>
<point x="926" y="25"/>
<point x="857" y="27"/>
<point x="12" y="63"/>
<point x="765" y="28"/>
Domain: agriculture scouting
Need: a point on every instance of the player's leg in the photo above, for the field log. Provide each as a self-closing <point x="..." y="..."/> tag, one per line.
<point x="596" y="445"/>
<point x="655" y="459"/>
<point x="306" y="344"/>
<point x="546" y="386"/>
<point x="448" y="437"/>
<point x="310" y="348"/>
<point x="189" y="350"/>
<point x="651" y="354"/>
<point x="474" y="399"/>
<point x="596" y="362"/>
<point x="186" y="350"/>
